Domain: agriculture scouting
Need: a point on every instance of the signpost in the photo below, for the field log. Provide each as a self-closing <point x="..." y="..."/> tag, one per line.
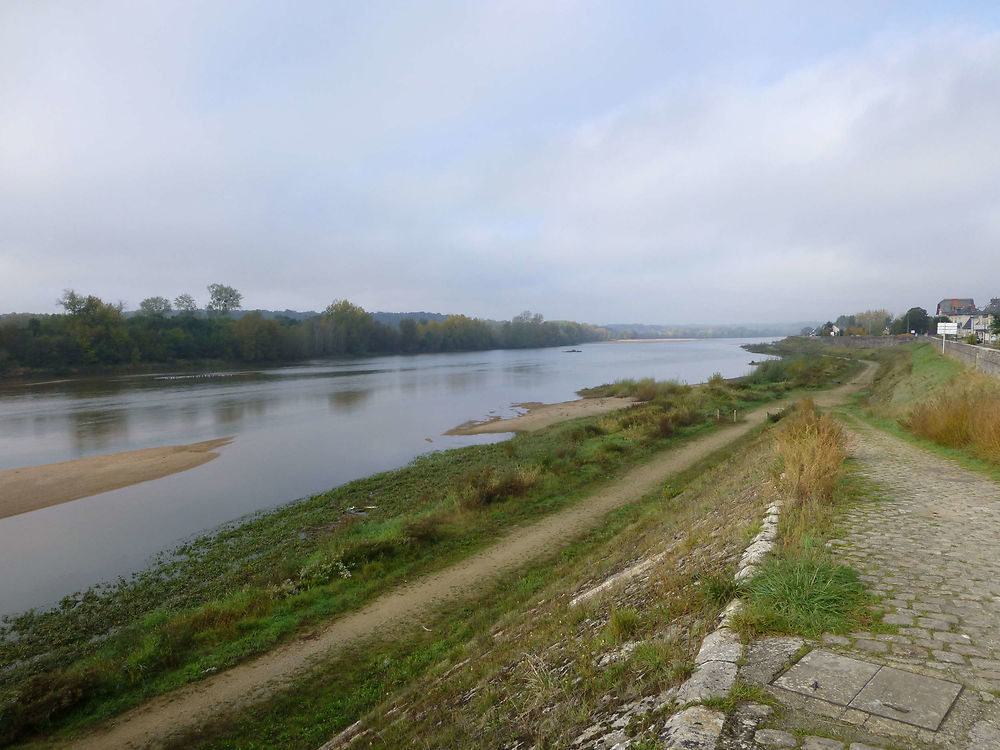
<point x="944" y="329"/>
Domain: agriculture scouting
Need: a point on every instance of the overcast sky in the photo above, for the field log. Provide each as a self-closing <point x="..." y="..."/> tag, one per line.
<point x="606" y="162"/>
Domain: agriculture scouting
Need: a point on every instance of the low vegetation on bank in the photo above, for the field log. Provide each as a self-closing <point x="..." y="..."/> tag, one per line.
<point x="920" y="393"/>
<point x="236" y="593"/>
<point x="541" y="661"/>
<point x="966" y="415"/>
<point x="524" y="663"/>
<point x="801" y="589"/>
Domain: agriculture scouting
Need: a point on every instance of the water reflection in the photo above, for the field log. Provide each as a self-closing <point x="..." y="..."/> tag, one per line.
<point x="229" y="413"/>
<point x="97" y="431"/>
<point x="466" y="381"/>
<point x="348" y="401"/>
<point x="286" y="444"/>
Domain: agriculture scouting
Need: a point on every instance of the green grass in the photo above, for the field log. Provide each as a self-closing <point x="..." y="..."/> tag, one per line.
<point x="229" y="596"/>
<point x="623" y="624"/>
<point x="803" y="595"/>
<point x="518" y="662"/>
<point x="910" y="376"/>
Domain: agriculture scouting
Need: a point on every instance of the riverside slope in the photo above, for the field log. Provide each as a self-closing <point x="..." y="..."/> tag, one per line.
<point x="153" y="723"/>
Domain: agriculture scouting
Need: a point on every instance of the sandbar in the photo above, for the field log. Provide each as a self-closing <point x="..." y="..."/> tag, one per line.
<point x="34" y="487"/>
<point x="543" y="415"/>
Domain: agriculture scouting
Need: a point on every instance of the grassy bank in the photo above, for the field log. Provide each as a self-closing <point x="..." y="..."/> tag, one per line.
<point x="237" y="593"/>
<point x="524" y="664"/>
<point x="521" y="663"/>
<point x="922" y="396"/>
<point x="936" y="402"/>
<point x="801" y="589"/>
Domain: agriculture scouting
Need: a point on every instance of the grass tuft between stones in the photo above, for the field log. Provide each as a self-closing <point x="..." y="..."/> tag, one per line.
<point x="803" y="595"/>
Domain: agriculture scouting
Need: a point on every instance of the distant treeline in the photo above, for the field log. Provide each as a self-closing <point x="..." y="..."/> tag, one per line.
<point x="642" y="331"/>
<point x="94" y="334"/>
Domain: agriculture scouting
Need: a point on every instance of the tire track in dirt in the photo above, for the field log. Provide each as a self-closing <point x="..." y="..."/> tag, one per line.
<point x="153" y="723"/>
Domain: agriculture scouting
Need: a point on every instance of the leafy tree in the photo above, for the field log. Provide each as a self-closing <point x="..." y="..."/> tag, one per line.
<point x="348" y="326"/>
<point x="97" y="329"/>
<point x="185" y="303"/>
<point x="223" y="299"/>
<point x="256" y="338"/>
<point x="915" y="319"/>
<point x="72" y="302"/>
<point x="408" y="335"/>
<point x="846" y="321"/>
<point x="874" y="321"/>
<point x="155" y="307"/>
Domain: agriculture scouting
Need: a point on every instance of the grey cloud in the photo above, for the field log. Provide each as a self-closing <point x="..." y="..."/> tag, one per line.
<point x="491" y="158"/>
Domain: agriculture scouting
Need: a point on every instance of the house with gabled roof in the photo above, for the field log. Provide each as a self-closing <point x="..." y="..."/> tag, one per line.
<point x="971" y="321"/>
<point x="959" y="310"/>
<point x="956" y="306"/>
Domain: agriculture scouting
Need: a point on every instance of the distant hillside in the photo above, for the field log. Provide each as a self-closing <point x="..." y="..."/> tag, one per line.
<point x="386" y="318"/>
<point x="647" y="331"/>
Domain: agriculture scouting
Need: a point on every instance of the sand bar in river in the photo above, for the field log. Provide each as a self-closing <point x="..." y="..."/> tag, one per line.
<point x="34" y="487"/>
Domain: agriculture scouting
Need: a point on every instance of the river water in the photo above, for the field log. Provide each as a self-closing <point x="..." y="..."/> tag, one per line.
<point x="297" y="431"/>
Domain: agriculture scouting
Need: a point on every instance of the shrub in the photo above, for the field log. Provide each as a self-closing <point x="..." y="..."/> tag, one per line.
<point x="43" y="698"/>
<point x="479" y="488"/>
<point x="964" y="417"/>
<point x="324" y="569"/>
<point x="645" y="390"/>
<point x="424" y="529"/>
<point x="812" y="448"/>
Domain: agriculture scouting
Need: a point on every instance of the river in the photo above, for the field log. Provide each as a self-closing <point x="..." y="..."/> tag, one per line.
<point x="297" y="431"/>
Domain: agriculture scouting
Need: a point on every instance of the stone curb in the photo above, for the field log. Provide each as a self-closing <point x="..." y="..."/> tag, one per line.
<point x="698" y="727"/>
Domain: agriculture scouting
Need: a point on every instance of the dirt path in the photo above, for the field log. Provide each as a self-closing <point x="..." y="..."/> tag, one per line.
<point x="151" y="724"/>
<point x="35" y="487"/>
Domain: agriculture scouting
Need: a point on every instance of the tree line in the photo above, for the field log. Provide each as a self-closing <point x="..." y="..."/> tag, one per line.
<point x="881" y="323"/>
<point x="95" y="334"/>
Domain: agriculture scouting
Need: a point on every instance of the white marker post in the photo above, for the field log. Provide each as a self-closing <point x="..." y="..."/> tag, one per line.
<point x="944" y="329"/>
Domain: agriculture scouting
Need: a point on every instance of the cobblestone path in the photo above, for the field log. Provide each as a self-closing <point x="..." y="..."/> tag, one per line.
<point x="933" y="552"/>
<point x="931" y="549"/>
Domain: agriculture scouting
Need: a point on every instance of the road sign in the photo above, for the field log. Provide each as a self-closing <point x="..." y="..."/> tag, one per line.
<point x="944" y="329"/>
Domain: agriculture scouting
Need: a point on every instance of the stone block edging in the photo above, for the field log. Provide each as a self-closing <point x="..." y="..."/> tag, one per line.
<point x="716" y="664"/>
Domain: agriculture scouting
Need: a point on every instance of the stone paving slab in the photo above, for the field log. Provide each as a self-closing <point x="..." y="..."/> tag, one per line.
<point x="907" y="697"/>
<point x="875" y="689"/>
<point x="828" y="676"/>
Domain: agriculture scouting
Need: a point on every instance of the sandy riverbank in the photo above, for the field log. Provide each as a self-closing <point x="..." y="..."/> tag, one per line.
<point x="542" y="415"/>
<point x="35" y="487"/>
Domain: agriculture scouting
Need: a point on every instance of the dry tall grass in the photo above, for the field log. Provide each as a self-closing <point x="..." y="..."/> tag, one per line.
<point x="812" y="448"/>
<point x="965" y="416"/>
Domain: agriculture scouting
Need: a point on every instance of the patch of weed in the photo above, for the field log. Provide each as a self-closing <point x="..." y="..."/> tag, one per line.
<point x="803" y="595"/>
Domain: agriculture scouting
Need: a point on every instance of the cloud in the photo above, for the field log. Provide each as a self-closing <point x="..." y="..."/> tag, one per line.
<point x="631" y="165"/>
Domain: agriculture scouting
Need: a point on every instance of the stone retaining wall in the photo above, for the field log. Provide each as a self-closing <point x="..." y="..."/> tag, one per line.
<point x="867" y="342"/>
<point x="983" y="359"/>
